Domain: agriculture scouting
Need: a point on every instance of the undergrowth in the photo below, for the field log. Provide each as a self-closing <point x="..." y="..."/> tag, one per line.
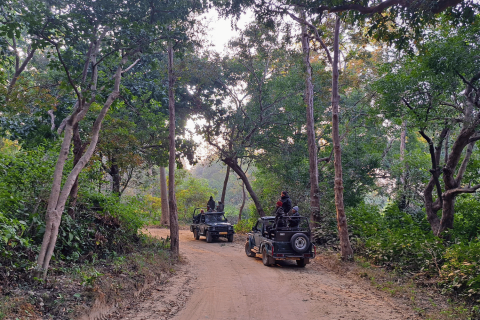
<point x="404" y="243"/>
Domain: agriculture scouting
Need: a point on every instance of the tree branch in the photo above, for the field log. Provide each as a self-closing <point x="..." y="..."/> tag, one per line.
<point x="317" y="36"/>
<point x="461" y="190"/>
<point x="435" y="170"/>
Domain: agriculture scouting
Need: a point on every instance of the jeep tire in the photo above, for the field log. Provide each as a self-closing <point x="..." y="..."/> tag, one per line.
<point x="266" y="259"/>
<point x="209" y="237"/>
<point x="230" y="237"/>
<point x="300" y="243"/>
<point x="196" y="235"/>
<point x="248" y="251"/>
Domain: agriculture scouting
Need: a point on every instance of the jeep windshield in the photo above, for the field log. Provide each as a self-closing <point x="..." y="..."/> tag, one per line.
<point x="212" y="218"/>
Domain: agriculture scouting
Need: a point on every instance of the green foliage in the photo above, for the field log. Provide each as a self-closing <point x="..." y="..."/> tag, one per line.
<point x="245" y="225"/>
<point x="192" y="193"/>
<point x="394" y="237"/>
<point x="461" y="270"/>
<point x="405" y="242"/>
<point x="467" y="218"/>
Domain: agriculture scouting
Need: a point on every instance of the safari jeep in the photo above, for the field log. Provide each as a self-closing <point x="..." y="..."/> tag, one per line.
<point x="287" y="239"/>
<point x="212" y="225"/>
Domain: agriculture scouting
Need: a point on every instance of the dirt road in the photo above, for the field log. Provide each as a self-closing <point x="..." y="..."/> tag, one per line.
<point x="218" y="281"/>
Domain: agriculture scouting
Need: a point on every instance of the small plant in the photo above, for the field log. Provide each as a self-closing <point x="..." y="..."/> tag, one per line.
<point x="89" y="278"/>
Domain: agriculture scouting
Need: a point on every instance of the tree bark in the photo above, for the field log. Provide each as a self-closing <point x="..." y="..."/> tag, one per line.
<point x="403" y="177"/>
<point x="448" y="208"/>
<point x="115" y="177"/>
<point x="432" y="207"/>
<point x="174" y="236"/>
<point x="244" y="196"/>
<point x="346" y="248"/>
<point x="78" y="149"/>
<point x="312" y="145"/>
<point x="225" y="182"/>
<point x="232" y="163"/>
<point x="165" y="220"/>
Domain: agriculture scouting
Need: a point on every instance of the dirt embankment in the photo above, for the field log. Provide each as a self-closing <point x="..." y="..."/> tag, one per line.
<point x="218" y="281"/>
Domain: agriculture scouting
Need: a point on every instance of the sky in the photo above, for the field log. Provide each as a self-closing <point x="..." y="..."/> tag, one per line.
<point x="220" y="29"/>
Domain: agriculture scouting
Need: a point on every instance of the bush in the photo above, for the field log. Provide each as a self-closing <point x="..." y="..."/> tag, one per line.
<point x="461" y="270"/>
<point x="395" y="238"/>
<point x="245" y="225"/>
<point x="467" y="218"/>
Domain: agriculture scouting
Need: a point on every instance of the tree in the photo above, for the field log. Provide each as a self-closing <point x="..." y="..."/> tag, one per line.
<point x="90" y="39"/>
<point x="248" y="121"/>
<point x="438" y="89"/>
<point x="346" y="248"/>
<point x="172" y="202"/>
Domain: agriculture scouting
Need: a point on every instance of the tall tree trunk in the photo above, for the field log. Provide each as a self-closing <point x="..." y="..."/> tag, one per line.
<point x="403" y="177"/>
<point x="165" y="220"/>
<point x="346" y="248"/>
<point x="78" y="149"/>
<point x="225" y="182"/>
<point x="244" y="196"/>
<point x="446" y="146"/>
<point x="312" y="145"/>
<point x="172" y="201"/>
<point x="232" y="163"/>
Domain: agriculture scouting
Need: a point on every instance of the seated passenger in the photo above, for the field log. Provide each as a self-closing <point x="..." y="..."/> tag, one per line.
<point x="294" y="220"/>
<point x="197" y="217"/>
<point x="278" y="214"/>
<point x="220" y="206"/>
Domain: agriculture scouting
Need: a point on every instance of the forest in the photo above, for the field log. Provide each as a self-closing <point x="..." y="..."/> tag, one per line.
<point x="116" y="116"/>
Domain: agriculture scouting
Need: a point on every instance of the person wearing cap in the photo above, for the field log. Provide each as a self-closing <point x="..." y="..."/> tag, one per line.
<point x="294" y="220"/>
<point x="295" y="212"/>
<point x="279" y="209"/>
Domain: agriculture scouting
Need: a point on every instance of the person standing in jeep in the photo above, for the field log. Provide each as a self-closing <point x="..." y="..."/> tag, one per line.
<point x="286" y="202"/>
<point x="211" y="204"/>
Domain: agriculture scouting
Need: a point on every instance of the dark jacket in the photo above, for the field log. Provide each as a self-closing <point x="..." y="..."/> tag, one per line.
<point x="287" y="204"/>
<point x="211" y="203"/>
<point x="220" y="207"/>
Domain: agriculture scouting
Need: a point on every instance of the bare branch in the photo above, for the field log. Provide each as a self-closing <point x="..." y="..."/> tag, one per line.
<point x="131" y="66"/>
<point x="461" y="190"/>
<point x="463" y="166"/>
<point x="458" y="108"/>
<point x="52" y="119"/>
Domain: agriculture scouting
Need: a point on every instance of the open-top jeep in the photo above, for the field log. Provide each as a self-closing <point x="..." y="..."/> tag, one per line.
<point x="212" y="225"/>
<point x="288" y="238"/>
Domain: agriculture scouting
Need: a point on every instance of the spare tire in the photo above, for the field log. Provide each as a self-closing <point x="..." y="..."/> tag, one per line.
<point x="300" y="243"/>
